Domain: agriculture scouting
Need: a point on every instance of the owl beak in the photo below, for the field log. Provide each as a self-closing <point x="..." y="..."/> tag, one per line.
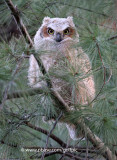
<point x="58" y="37"/>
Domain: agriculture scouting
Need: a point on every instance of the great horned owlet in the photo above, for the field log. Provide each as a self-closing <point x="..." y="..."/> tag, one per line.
<point x="68" y="66"/>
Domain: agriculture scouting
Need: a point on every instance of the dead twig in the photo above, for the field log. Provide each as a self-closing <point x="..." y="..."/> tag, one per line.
<point x="42" y="157"/>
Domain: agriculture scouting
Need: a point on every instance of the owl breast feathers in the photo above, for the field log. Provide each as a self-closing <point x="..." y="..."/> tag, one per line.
<point x="68" y="66"/>
<point x="55" y="43"/>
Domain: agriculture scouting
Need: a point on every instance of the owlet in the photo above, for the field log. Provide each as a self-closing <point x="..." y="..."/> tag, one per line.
<point x="68" y="66"/>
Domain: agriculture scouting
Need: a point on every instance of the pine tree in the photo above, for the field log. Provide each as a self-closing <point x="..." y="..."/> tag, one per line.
<point x="23" y="133"/>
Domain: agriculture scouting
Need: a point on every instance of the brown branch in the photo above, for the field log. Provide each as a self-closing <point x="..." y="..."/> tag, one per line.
<point x="58" y="152"/>
<point x="10" y="145"/>
<point x="16" y="16"/>
<point x="24" y="31"/>
<point x="43" y="155"/>
<point x="39" y="129"/>
<point x="97" y="143"/>
<point x="32" y="92"/>
<point x="59" y="141"/>
<point x="111" y="38"/>
<point x="55" y="94"/>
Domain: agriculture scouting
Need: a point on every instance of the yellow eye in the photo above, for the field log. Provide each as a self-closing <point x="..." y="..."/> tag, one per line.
<point x="66" y="31"/>
<point x="50" y="31"/>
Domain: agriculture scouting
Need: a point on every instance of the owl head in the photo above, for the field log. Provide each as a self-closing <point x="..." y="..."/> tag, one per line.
<point x="56" y="34"/>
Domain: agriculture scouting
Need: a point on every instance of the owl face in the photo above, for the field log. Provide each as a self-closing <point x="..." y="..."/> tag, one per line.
<point x="56" y="34"/>
<point x="58" y="29"/>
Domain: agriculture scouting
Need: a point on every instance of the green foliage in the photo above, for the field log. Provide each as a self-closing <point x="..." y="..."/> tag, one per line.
<point x="92" y="19"/>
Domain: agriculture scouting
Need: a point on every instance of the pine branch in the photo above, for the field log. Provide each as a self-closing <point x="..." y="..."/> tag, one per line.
<point x="8" y="144"/>
<point x="28" y="92"/>
<point x="59" y="141"/>
<point x="39" y="129"/>
<point x="16" y="16"/>
<point x="104" y="68"/>
<point x="25" y="33"/>
<point x="43" y="155"/>
<point x="94" y="23"/>
<point x="106" y="152"/>
<point x="58" y="152"/>
<point x="85" y="9"/>
<point x="70" y="155"/>
<point x="113" y="37"/>
<point x="11" y="81"/>
<point x="32" y="92"/>
<point x="97" y="143"/>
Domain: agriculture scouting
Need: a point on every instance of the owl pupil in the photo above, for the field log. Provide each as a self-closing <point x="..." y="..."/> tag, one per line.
<point x="66" y="31"/>
<point x="50" y="31"/>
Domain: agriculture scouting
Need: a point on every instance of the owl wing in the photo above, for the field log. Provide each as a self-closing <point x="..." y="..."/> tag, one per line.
<point x="34" y="74"/>
<point x="85" y="86"/>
